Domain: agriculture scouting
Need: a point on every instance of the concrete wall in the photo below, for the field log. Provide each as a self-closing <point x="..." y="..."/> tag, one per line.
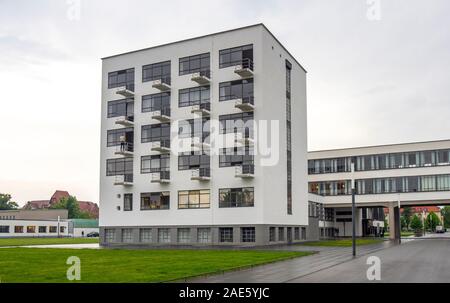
<point x="36" y="223"/>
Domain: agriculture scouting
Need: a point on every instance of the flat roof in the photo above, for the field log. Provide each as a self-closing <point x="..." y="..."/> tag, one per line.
<point x="209" y="35"/>
<point x="381" y="145"/>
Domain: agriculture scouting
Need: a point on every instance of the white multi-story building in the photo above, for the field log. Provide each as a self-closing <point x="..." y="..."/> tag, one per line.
<point x="184" y="151"/>
<point x="386" y="176"/>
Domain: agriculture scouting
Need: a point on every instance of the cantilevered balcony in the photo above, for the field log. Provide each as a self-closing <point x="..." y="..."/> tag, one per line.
<point x="200" y="143"/>
<point x="126" y="120"/>
<point x="162" y="146"/>
<point x="162" y="84"/>
<point x="162" y="115"/>
<point x="201" y="174"/>
<point x="161" y="177"/>
<point x="202" y="77"/>
<point x="127" y="90"/>
<point x="245" y="171"/>
<point x="245" y="104"/>
<point x="125" y="149"/>
<point x="125" y="180"/>
<point x="243" y="139"/>
<point x="245" y="68"/>
<point x="203" y="109"/>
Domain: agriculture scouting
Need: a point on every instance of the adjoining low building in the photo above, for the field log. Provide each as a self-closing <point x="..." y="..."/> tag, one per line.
<point x="82" y="227"/>
<point x="34" y="223"/>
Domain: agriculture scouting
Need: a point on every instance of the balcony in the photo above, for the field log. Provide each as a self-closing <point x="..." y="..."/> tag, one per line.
<point x="245" y="171"/>
<point x="125" y="149"/>
<point x="126" y="121"/>
<point x="245" y="104"/>
<point x="162" y="84"/>
<point x="243" y="139"/>
<point x="199" y="143"/>
<point x="245" y="68"/>
<point x="202" y="77"/>
<point x="203" y="109"/>
<point x="161" y="146"/>
<point x="162" y="115"/>
<point x="161" y="177"/>
<point x="201" y="174"/>
<point x="126" y="91"/>
<point x="125" y="180"/>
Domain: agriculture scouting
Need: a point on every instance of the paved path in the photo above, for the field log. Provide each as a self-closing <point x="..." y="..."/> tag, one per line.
<point x="414" y="261"/>
<point x="287" y="271"/>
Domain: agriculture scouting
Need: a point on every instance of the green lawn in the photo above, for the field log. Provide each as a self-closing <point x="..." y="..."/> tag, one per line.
<point x="403" y="233"/>
<point x="343" y="242"/>
<point x="120" y="265"/>
<point x="44" y="241"/>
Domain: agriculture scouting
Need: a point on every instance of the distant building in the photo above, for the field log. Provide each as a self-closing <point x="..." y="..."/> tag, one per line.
<point x="86" y="206"/>
<point x="82" y="227"/>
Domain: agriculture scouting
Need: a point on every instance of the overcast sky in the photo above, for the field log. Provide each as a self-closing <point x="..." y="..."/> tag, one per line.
<point x="374" y="76"/>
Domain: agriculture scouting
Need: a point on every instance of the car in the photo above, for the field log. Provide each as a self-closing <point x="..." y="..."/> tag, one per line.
<point x="93" y="234"/>
<point x="440" y="229"/>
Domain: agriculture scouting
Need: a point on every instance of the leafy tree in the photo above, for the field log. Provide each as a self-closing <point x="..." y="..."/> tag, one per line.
<point x="446" y="216"/>
<point x="404" y="222"/>
<point x="432" y="221"/>
<point x="71" y="204"/>
<point x="407" y="213"/>
<point x="6" y="203"/>
<point x="416" y="223"/>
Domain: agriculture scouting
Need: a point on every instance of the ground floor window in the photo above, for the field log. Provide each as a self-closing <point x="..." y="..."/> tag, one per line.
<point x="128" y="202"/>
<point x="43" y="229"/>
<point x="4" y="229"/>
<point x="184" y="235"/>
<point x="110" y="234"/>
<point x="280" y="233"/>
<point x="145" y="235"/>
<point x="247" y="234"/>
<point x="303" y="233"/>
<point x="31" y="229"/>
<point x="62" y="229"/>
<point x="53" y="229"/>
<point x="204" y="235"/>
<point x="127" y="235"/>
<point x="297" y="233"/>
<point x="226" y="234"/>
<point x="18" y="229"/>
<point x="272" y="237"/>
<point x="164" y="235"/>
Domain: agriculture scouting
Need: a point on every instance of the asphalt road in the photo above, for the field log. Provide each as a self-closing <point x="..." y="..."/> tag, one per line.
<point x="425" y="260"/>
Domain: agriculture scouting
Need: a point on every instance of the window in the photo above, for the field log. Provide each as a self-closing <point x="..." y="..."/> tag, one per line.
<point x="62" y="229"/>
<point x="4" y="229"/>
<point x="272" y="236"/>
<point x="113" y="136"/>
<point x="194" y="64"/>
<point x="193" y="160"/>
<point x="193" y="96"/>
<point x="236" y="197"/>
<point x="194" y="128"/>
<point x="18" y="229"/>
<point x="31" y="229"/>
<point x="128" y="202"/>
<point x="443" y="157"/>
<point x="53" y="229"/>
<point x="119" y="108"/>
<point x="163" y="235"/>
<point x="443" y="182"/>
<point x="236" y="55"/>
<point x="156" y="132"/>
<point x="145" y="235"/>
<point x="204" y="235"/>
<point x="237" y="123"/>
<point x="184" y="235"/>
<point x="235" y="156"/>
<point x="296" y="233"/>
<point x="280" y="233"/>
<point x="156" y="71"/>
<point x="239" y="89"/>
<point x="288" y="141"/>
<point x="43" y="229"/>
<point x="154" y="102"/>
<point x="121" y="78"/>
<point x="157" y="200"/>
<point x="155" y="163"/>
<point x="119" y="166"/>
<point x="127" y="235"/>
<point x="193" y="199"/>
<point x="247" y="234"/>
<point x="110" y="235"/>
<point x="303" y="233"/>
<point x="226" y="234"/>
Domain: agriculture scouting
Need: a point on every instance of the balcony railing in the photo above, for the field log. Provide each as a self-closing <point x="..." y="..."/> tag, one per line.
<point x="202" y="77"/>
<point x="202" y="108"/>
<point x="246" y="103"/>
<point x="125" y="120"/>
<point x="243" y="139"/>
<point x="244" y="68"/>
<point x="161" y="177"/>
<point x="245" y="171"/>
<point x="201" y="174"/>
<point x="126" y="180"/>
<point x="163" y="84"/>
<point x="126" y="90"/>
<point x="162" y="146"/>
<point x="125" y="149"/>
<point x="162" y="115"/>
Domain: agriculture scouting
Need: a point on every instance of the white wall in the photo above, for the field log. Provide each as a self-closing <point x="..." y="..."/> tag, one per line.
<point x="25" y="223"/>
<point x="78" y="231"/>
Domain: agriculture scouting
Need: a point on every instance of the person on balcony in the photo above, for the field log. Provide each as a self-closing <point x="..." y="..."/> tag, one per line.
<point x="122" y="143"/>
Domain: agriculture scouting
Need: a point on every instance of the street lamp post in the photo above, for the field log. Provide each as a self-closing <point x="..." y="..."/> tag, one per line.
<point x="353" y="210"/>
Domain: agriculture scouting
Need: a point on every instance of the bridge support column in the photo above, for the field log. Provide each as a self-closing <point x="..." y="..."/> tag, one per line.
<point x="394" y="222"/>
